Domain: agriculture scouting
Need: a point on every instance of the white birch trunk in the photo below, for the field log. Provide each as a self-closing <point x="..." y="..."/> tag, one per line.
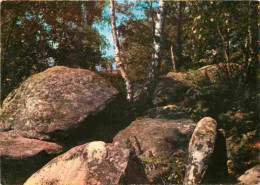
<point x="146" y="92"/>
<point x="119" y="64"/>
<point x="156" y="58"/>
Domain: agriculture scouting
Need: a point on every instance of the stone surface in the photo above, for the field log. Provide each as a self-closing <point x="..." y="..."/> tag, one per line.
<point x="210" y="72"/>
<point x="91" y="163"/>
<point x="20" y="156"/>
<point x="64" y="106"/>
<point x="55" y="101"/>
<point x="179" y="76"/>
<point x="157" y="136"/>
<point x="217" y="171"/>
<point x="169" y="91"/>
<point x="162" y="146"/>
<point x="207" y="154"/>
<point x="251" y="176"/>
<point x="12" y="145"/>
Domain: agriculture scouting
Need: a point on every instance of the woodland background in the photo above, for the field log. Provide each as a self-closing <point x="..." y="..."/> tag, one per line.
<point x="37" y="35"/>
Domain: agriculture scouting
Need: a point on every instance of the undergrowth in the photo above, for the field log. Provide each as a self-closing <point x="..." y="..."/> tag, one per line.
<point x="236" y="110"/>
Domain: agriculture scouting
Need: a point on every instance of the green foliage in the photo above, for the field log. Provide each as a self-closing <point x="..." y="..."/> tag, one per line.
<point x="211" y="26"/>
<point x="80" y="48"/>
<point x="201" y="32"/>
<point x="115" y="79"/>
<point x="136" y="48"/>
<point x="34" y="32"/>
<point x="236" y="111"/>
<point x="242" y="152"/>
<point x="237" y="122"/>
<point x="171" y="168"/>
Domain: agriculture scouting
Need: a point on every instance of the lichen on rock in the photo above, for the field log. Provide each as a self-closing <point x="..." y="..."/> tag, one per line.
<point x="55" y="100"/>
<point x="205" y="147"/>
<point x="92" y="163"/>
<point x="251" y="176"/>
<point x="96" y="151"/>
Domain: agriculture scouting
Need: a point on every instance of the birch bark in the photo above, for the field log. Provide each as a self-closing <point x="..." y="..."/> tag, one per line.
<point x="156" y="57"/>
<point x="118" y="61"/>
<point x="153" y="75"/>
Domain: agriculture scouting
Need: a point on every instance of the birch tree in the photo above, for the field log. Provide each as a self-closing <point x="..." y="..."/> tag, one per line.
<point x="153" y="74"/>
<point x="118" y="61"/>
<point x="253" y="43"/>
<point x="156" y="57"/>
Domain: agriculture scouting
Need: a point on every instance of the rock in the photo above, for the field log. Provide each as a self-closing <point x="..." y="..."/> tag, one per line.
<point x="12" y="145"/>
<point x="217" y="171"/>
<point x="179" y="76"/>
<point x="167" y="112"/>
<point x="210" y="72"/>
<point x="91" y="163"/>
<point x="157" y="136"/>
<point x="166" y="92"/>
<point x="60" y="105"/>
<point x="56" y="103"/>
<point x="20" y="156"/>
<point x="187" y="78"/>
<point x="169" y="91"/>
<point x="251" y="176"/>
<point x="207" y="161"/>
<point x="160" y="144"/>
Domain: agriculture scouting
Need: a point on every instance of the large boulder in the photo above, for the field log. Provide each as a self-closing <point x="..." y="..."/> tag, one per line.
<point x="179" y="76"/>
<point x="168" y="147"/>
<point x="207" y="161"/>
<point x="57" y="100"/>
<point x="157" y="136"/>
<point x="91" y="163"/>
<point x="213" y="72"/>
<point x="20" y="156"/>
<point x="169" y="91"/>
<point x="209" y="72"/>
<point x="60" y="105"/>
<point x="162" y="145"/>
<point x="251" y="176"/>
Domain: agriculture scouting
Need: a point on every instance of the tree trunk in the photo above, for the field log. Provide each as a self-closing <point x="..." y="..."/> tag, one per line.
<point x="253" y="44"/>
<point x="227" y="50"/>
<point x="151" y="11"/>
<point x="224" y="44"/>
<point x="225" y="40"/>
<point x="111" y="68"/>
<point x="173" y="59"/>
<point x="243" y="72"/>
<point x="144" y="96"/>
<point x="118" y="61"/>
<point x="178" y="49"/>
<point x="156" y="57"/>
